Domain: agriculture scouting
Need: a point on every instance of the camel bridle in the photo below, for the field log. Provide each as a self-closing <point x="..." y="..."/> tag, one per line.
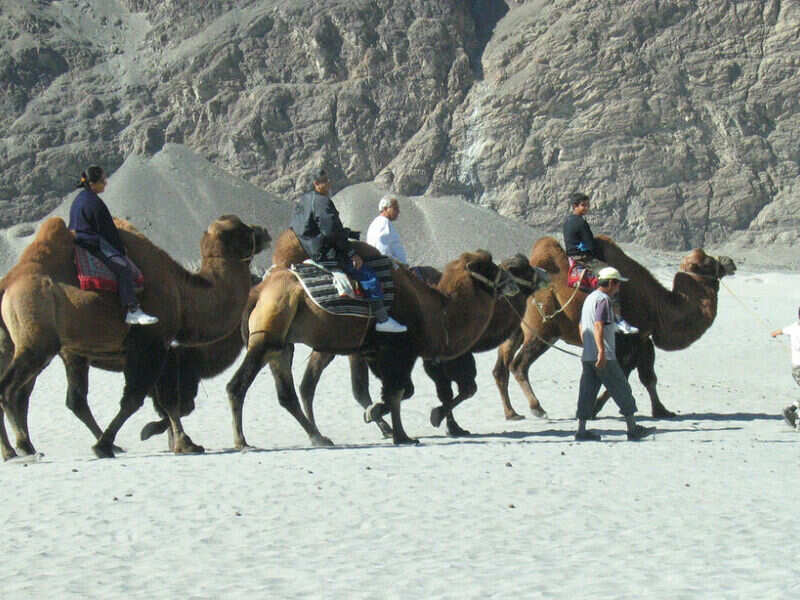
<point x="501" y="279"/>
<point x="252" y="246"/>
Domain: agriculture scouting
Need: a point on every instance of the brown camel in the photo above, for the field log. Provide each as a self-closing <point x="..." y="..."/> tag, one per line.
<point x="460" y="370"/>
<point x="280" y="314"/>
<point x="674" y="318"/>
<point x="184" y="368"/>
<point x="44" y="313"/>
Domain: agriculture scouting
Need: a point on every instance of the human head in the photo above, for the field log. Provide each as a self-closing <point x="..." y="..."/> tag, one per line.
<point x="579" y="203"/>
<point x="609" y="278"/>
<point x="93" y="178"/>
<point x="389" y="207"/>
<point x="321" y="182"/>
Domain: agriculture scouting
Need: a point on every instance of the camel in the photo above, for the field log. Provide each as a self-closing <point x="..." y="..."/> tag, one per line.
<point x="184" y="369"/>
<point x="460" y="370"/>
<point x="45" y="313"/>
<point x="673" y="318"/>
<point x="280" y="314"/>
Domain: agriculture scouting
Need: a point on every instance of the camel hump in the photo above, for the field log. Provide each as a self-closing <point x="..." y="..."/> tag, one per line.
<point x="548" y="254"/>
<point x="53" y="230"/>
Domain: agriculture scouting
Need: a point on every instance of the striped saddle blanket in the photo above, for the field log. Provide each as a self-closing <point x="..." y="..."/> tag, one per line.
<point x="93" y="274"/>
<point x="318" y="282"/>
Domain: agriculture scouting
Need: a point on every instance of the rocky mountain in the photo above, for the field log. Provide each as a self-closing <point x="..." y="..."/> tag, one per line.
<point x="680" y="117"/>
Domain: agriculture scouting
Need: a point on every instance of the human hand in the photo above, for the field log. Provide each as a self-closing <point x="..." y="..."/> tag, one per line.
<point x="358" y="262"/>
<point x="601" y="361"/>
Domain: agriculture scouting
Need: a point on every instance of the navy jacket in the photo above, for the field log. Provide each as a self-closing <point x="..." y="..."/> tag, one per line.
<point x="316" y="222"/>
<point x="578" y="237"/>
<point x="91" y="220"/>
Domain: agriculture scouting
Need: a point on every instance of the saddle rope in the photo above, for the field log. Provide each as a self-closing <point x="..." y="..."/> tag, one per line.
<point x="536" y="335"/>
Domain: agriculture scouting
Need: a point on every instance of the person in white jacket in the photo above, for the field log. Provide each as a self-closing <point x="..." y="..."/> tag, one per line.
<point x="382" y="234"/>
<point x="793" y="331"/>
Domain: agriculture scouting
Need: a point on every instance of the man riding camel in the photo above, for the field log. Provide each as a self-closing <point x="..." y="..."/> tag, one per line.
<point x="322" y="235"/>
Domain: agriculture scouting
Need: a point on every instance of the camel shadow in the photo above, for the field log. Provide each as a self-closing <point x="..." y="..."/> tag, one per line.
<point x="738" y="416"/>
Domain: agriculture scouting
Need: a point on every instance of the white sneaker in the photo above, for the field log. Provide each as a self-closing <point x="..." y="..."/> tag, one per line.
<point x="390" y="326"/>
<point x="624" y="327"/>
<point x="138" y="317"/>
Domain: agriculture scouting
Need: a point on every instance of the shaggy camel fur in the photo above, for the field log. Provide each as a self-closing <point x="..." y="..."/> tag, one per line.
<point x="45" y="313"/>
<point x="460" y="370"/>
<point x="674" y="318"/>
<point x="280" y="314"/>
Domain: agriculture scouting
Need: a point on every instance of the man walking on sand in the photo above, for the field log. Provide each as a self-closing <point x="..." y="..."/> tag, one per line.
<point x="600" y="366"/>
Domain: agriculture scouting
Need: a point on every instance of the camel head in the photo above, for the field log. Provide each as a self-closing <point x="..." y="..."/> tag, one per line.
<point x="699" y="263"/>
<point x="228" y="237"/>
<point x="526" y="276"/>
<point x="480" y="267"/>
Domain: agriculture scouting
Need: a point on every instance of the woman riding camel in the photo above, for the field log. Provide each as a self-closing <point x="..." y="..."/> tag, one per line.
<point x="94" y="229"/>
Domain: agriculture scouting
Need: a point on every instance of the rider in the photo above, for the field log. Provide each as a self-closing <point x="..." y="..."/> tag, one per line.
<point x="322" y="235"/>
<point x="579" y="240"/>
<point x="581" y="246"/>
<point x="91" y="221"/>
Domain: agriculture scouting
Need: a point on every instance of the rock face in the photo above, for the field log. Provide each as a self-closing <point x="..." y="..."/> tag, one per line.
<point x="681" y="118"/>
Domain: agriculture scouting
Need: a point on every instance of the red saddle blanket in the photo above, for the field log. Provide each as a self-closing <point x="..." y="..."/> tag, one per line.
<point x="93" y="274"/>
<point x="579" y="275"/>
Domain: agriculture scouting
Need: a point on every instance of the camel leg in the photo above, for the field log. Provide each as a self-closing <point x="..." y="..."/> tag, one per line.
<point x="144" y="361"/>
<point x="167" y="385"/>
<point x="520" y="365"/>
<point x="392" y="364"/>
<point x="505" y="354"/>
<point x="317" y="363"/>
<point x="170" y="403"/>
<point x="15" y="388"/>
<point x="281" y="367"/>
<point x="647" y="375"/>
<point x="77" y="371"/>
<point x="462" y="370"/>
<point x="359" y="382"/>
<point x="254" y="360"/>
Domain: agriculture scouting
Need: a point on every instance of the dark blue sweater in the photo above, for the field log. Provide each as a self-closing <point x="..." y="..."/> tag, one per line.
<point x="91" y="220"/>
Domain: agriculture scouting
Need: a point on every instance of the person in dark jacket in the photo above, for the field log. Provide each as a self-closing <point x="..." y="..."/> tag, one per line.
<point x="91" y="221"/>
<point x="581" y="246"/>
<point x="578" y="237"/>
<point x="317" y="224"/>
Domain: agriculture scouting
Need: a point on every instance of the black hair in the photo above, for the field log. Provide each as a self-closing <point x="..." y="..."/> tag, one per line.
<point x="91" y="175"/>
<point x="320" y="176"/>
<point x="576" y="198"/>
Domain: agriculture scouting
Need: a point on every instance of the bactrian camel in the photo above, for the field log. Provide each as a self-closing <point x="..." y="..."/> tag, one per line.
<point x="673" y="318"/>
<point x="460" y="370"/>
<point x="281" y="314"/>
<point x="44" y="313"/>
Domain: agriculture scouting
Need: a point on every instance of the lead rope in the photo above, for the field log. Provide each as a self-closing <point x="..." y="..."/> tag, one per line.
<point x="751" y="311"/>
<point x="536" y="335"/>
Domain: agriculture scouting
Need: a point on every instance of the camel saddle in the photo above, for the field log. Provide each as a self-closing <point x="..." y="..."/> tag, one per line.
<point x="318" y="281"/>
<point x="93" y="274"/>
<point x="580" y="276"/>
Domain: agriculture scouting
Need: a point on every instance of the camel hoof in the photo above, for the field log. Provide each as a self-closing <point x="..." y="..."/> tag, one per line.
<point x="539" y="412"/>
<point x="663" y="413"/>
<point x="118" y="450"/>
<point x="437" y="414"/>
<point x="103" y="450"/>
<point x="26" y="449"/>
<point x="457" y="431"/>
<point x="321" y="441"/>
<point x="374" y="412"/>
<point x="405" y="440"/>
<point x="153" y="428"/>
<point x="514" y="417"/>
<point x="8" y="454"/>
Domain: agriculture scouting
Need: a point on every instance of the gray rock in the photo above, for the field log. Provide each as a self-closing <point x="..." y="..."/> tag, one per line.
<point x="681" y="119"/>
